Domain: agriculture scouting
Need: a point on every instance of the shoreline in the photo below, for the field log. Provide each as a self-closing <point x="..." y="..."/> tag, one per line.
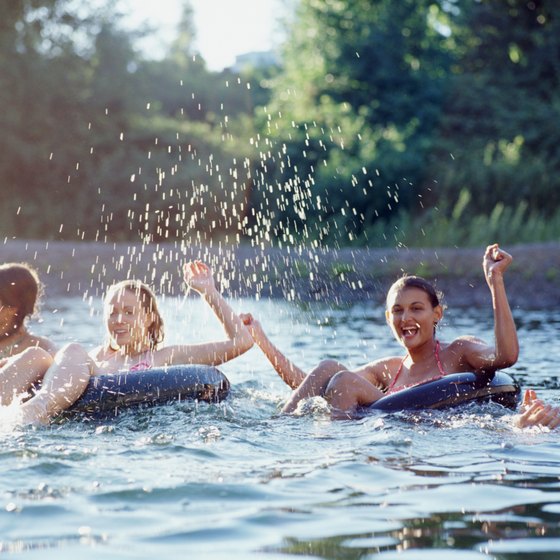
<point x="347" y="275"/>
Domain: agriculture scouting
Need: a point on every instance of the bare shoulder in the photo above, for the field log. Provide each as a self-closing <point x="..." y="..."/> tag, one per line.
<point x="45" y="344"/>
<point x="467" y="353"/>
<point x="466" y="343"/>
<point x="34" y="341"/>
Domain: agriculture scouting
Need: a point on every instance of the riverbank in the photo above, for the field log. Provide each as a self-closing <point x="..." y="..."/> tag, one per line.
<point x="298" y="274"/>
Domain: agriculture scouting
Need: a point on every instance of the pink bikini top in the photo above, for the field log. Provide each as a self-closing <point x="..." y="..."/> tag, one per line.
<point x="440" y="368"/>
<point x="142" y="365"/>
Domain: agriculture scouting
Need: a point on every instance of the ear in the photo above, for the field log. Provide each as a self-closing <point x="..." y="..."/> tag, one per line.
<point x="387" y="316"/>
<point x="438" y="312"/>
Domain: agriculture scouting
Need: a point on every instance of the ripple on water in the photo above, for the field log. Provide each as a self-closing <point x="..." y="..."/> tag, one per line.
<point x="238" y="480"/>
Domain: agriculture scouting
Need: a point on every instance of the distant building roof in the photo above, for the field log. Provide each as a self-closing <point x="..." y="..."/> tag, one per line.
<point x="257" y="59"/>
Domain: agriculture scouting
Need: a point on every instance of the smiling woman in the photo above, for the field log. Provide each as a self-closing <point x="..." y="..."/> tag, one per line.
<point x="135" y="331"/>
<point x="413" y="311"/>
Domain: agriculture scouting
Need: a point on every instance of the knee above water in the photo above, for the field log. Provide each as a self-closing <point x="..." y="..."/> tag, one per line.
<point x="35" y="353"/>
<point x="72" y="349"/>
<point x="330" y="365"/>
<point x="339" y="379"/>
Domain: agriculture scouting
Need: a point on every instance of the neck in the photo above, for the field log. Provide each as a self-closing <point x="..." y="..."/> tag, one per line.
<point x="423" y="352"/>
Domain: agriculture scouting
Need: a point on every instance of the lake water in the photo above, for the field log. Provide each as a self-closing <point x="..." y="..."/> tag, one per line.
<point x="237" y="480"/>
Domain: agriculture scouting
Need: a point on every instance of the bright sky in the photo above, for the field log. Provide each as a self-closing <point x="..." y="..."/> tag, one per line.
<point x="224" y="28"/>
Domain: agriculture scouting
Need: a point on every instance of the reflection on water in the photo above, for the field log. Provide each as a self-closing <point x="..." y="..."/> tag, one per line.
<point x="237" y="480"/>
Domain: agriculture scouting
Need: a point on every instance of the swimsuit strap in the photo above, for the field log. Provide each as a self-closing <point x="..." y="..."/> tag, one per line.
<point x="389" y="389"/>
<point x="438" y="362"/>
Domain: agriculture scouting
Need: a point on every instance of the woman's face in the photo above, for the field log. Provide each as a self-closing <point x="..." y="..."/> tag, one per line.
<point x="127" y="320"/>
<point x="411" y="316"/>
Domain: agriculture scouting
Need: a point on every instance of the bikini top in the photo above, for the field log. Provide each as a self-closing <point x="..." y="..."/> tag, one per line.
<point x="439" y="365"/>
<point x="142" y="365"/>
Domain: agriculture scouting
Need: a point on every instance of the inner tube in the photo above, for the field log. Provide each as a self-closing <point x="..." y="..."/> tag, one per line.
<point x="107" y="394"/>
<point x="453" y="390"/>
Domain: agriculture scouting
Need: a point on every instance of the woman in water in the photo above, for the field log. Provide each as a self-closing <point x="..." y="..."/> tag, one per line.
<point x="20" y="291"/>
<point x="135" y="331"/>
<point x="413" y="312"/>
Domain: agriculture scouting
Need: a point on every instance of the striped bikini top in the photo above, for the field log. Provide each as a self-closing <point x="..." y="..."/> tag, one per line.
<point x="439" y="365"/>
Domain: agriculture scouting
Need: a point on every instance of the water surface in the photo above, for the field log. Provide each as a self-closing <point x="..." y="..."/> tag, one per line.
<point x="238" y="480"/>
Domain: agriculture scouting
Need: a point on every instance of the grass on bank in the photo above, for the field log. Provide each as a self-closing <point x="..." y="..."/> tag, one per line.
<point x="458" y="228"/>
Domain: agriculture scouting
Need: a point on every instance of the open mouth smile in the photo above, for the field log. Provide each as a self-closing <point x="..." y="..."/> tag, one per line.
<point x="409" y="332"/>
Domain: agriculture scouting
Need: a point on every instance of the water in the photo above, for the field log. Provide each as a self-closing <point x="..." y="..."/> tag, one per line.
<point x="237" y="480"/>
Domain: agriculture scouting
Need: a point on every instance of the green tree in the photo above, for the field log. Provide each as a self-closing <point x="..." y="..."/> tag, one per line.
<point x="504" y="104"/>
<point x="353" y="114"/>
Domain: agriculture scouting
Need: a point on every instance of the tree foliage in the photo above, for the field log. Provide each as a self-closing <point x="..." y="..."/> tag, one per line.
<point x="382" y="114"/>
<point x="132" y="146"/>
<point x="387" y="107"/>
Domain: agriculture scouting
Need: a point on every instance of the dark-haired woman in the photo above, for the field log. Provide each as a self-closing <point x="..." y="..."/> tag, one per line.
<point x="413" y="312"/>
<point x="20" y="291"/>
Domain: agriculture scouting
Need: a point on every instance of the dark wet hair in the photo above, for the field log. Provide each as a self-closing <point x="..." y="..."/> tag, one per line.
<point x="21" y="288"/>
<point x="435" y="296"/>
<point x="149" y="303"/>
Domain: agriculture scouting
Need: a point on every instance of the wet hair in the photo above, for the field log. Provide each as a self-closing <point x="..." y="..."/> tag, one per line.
<point x="149" y="303"/>
<point x="435" y="296"/>
<point x="21" y="288"/>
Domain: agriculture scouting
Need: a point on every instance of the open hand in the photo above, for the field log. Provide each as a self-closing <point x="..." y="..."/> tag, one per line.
<point x="198" y="276"/>
<point x="536" y="413"/>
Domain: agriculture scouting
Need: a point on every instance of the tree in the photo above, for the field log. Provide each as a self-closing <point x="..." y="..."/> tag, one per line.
<point x="504" y="103"/>
<point x="353" y="115"/>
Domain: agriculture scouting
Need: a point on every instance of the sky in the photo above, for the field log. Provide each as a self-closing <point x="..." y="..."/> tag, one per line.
<point x="224" y="28"/>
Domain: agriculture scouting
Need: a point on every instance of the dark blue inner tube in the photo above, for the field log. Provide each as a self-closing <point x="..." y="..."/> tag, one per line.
<point x="107" y="394"/>
<point x="452" y="390"/>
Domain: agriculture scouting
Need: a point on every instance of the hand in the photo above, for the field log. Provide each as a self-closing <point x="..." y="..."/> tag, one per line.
<point x="495" y="261"/>
<point x="536" y="413"/>
<point x="198" y="276"/>
<point x="253" y="326"/>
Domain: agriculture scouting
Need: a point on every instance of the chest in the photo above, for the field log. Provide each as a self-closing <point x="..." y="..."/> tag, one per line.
<point x="441" y="363"/>
<point x="112" y="362"/>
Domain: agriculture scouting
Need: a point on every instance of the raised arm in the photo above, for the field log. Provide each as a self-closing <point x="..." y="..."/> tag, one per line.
<point x="291" y="374"/>
<point x="506" y="349"/>
<point x="198" y="277"/>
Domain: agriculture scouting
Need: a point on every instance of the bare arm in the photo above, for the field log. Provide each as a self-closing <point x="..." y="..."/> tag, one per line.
<point x="291" y="374"/>
<point x="506" y="349"/>
<point x="198" y="276"/>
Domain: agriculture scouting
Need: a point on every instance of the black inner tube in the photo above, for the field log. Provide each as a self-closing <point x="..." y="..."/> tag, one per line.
<point x="452" y="390"/>
<point x="109" y="393"/>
